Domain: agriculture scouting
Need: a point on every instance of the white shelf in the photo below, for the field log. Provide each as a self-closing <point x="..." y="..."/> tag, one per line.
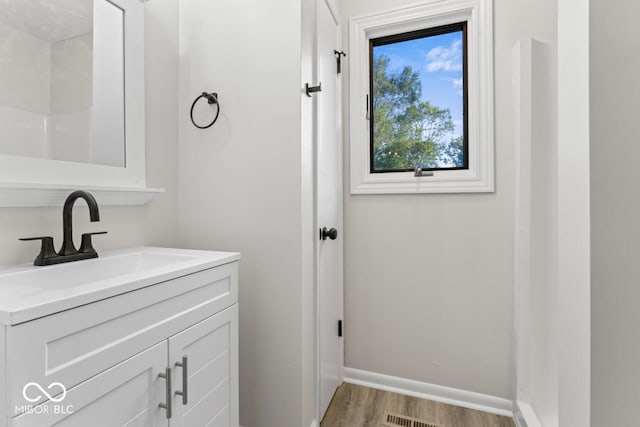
<point x="32" y="195"/>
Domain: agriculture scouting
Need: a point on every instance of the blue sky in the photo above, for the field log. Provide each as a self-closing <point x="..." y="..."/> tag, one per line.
<point x="438" y="59"/>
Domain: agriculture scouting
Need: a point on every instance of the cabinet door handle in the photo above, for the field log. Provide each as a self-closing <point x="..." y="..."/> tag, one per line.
<point x="185" y="379"/>
<point x="167" y="406"/>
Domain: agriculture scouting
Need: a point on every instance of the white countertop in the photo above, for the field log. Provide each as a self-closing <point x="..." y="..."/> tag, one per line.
<point x="28" y="292"/>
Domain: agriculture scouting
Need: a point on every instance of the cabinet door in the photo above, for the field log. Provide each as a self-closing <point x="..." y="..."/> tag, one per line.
<point x="210" y="349"/>
<point x="126" y="395"/>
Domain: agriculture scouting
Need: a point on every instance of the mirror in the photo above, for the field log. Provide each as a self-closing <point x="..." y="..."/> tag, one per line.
<point x="105" y="153"/>
<point x="62" y="81"/>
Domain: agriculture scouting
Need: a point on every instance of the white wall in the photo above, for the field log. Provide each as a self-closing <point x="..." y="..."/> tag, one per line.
<point x="241" y="187"/>
<point x="71" y="74"/>
<point x="68" y="124"/>
<point x="108" y="103"/>
<point x="432" y="274"/>
<point x="23" y="132"/>
<point x="154" y="224"/>
<point x="25" y="84"/>
<point x="574" y="312"/>
<point x="536" y="234"/>
<point x="308" y="290"/>
<point x="24" y="92"/>
<point x="615" y="212"/>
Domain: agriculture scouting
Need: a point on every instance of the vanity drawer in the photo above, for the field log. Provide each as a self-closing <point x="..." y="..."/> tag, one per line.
<point x="74" y="345"/>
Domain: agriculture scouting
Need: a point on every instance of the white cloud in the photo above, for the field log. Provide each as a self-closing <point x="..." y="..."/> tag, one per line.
<point x="446" y="58"/>
<point x="455" y="83"/>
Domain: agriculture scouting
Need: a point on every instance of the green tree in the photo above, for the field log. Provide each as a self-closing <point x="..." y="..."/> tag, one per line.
<point x="453" y="152"/>
<point x="409" y="132"/>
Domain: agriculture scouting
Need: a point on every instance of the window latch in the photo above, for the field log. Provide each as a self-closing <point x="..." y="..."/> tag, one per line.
<point x="419" y="172"/>
<point x="368" y="116"/>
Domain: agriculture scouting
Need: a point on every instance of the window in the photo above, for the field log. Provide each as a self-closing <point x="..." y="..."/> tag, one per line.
<point x="419" y="100"/>
<point x="421" y="96"/>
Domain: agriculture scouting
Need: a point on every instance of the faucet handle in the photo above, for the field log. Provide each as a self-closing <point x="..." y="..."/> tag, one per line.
<point x="46" y="250"/>
<point x="86" y="246"/>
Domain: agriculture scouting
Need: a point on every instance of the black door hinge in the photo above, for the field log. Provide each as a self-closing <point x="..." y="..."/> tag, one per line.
<point x="339" y="55"/>
<point x="339" y="328"/>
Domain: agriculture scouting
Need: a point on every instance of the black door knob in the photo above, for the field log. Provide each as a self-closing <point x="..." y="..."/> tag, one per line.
<point x="330" y="233"/>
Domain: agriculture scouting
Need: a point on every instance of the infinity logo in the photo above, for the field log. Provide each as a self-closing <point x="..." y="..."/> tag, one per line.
<point x="44" y="393"/>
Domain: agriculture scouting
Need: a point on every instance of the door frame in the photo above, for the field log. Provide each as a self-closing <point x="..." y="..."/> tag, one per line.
<point x="333" y="8"/>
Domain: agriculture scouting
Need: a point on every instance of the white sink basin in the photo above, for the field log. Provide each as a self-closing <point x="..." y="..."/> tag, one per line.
<point x="28" y="292"/>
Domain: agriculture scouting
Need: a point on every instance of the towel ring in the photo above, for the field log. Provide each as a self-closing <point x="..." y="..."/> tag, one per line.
<point x="212" y="98"/>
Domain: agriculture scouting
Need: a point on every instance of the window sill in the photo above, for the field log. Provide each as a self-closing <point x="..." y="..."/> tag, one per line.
<point x="455" y="181"/>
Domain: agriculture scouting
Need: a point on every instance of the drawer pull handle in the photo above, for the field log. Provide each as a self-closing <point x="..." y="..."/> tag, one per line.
<point x="185" y="379"/>
<point x="167" y="406"/>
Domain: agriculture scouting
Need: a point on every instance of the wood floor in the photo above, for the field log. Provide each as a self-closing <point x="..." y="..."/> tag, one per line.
<point x="356" y="406"/>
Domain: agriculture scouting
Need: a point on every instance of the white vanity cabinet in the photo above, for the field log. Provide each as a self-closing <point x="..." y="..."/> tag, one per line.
<point x="161" y="354"/>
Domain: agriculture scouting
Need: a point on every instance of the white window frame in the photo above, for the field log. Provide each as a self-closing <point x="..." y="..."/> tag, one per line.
<point x="434" y="13"/>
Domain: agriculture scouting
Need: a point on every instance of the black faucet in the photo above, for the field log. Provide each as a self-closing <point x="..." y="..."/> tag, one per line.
<point x="67" y="219"/>
<point x="68" y="251"/>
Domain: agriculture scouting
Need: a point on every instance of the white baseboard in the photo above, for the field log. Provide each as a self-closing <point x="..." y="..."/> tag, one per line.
<point x="437" y="393"/>
<point x="525" y="416"/>
<point x="314" y="423"/>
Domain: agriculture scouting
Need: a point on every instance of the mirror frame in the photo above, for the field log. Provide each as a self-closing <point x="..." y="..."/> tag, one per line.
<point x="26" y="181"/>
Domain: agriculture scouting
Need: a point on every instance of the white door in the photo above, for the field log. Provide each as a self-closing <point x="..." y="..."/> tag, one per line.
<point x="126" y="395"/>
<point x="205" y="372"/>
<point x="329" y="203"/>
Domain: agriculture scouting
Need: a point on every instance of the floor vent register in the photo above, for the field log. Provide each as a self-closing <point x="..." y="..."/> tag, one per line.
<point x="394" y="420"/>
